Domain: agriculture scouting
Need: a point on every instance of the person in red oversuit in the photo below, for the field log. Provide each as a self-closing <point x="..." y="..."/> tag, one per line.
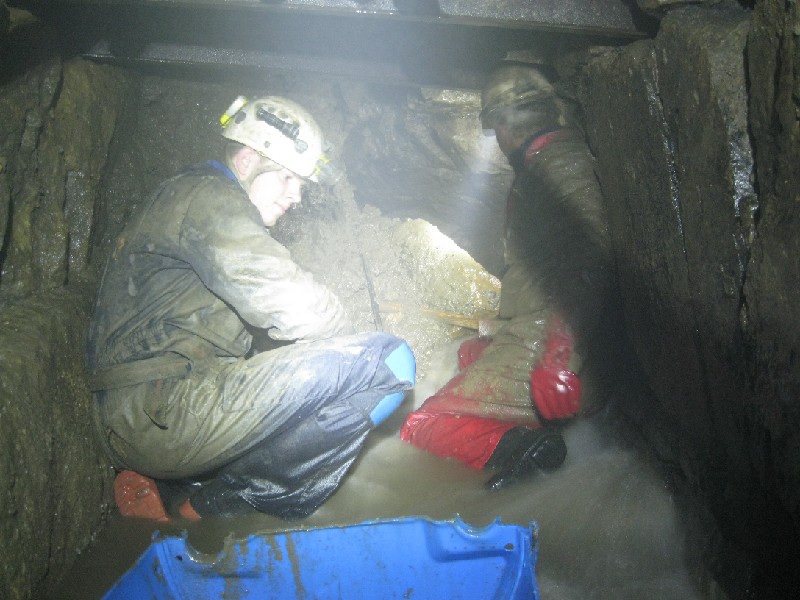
<point x="545" y="358"/>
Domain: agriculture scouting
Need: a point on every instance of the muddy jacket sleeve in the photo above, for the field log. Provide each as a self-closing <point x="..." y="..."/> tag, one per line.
<point x="237" y="259"/>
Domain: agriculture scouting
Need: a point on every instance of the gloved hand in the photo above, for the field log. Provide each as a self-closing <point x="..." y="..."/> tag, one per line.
<point x="555" y="390"/>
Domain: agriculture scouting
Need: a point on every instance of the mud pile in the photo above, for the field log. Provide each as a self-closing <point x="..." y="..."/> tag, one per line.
<point x="403" y="276"/>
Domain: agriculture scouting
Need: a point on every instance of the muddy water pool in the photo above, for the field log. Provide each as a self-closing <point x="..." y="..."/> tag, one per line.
<point x="608" y="524"/>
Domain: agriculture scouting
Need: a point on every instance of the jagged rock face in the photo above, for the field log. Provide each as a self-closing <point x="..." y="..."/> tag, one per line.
<point x="58" y="119"/>
<point x="58" y="126"/>
<point x="770" y="289"/>
<point x="705" y="261"/>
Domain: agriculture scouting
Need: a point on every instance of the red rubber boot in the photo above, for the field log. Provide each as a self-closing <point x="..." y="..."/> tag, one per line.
<point x="137" y="496"/>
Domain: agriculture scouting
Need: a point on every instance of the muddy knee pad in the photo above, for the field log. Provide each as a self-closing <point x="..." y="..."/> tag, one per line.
<point x="402" y="363"/>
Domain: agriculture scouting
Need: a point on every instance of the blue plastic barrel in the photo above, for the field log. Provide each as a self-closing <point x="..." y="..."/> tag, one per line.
<point x="410" y="558"/>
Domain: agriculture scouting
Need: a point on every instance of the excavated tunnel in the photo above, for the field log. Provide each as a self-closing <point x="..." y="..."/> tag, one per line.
<point x="684" y="486"/>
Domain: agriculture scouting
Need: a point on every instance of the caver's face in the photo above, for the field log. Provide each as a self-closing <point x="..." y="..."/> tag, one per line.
<point x="275" y="192"/>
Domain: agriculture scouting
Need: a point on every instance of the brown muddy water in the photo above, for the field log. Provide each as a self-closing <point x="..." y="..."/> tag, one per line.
<point x="608" y="525"/>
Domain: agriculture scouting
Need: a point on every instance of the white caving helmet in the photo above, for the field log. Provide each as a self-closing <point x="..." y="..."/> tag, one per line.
<point x="279" y="129"/>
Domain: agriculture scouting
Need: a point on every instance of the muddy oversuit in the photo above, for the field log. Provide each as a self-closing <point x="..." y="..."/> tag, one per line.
<point x="176" y="398"/>
<point x="555" y="299"/>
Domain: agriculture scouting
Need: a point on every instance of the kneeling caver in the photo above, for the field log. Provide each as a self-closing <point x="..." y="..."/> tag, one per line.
<point x="197" y="425"/>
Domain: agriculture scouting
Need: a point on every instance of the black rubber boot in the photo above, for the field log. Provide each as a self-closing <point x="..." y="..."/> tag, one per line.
<point x="176" y="492"/>
<point x="522" y="452"/>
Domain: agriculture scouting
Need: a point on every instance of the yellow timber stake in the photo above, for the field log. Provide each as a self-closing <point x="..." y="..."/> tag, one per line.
<point x="447" y="317"/>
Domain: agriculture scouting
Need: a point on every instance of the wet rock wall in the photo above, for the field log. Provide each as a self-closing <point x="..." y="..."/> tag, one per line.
<point x="56" y="483"/>
<point x="696" y="137"/>
<point x="58" y="120"/>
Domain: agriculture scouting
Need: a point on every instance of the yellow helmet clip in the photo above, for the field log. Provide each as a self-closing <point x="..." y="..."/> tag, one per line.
<point x="234" y="108"/>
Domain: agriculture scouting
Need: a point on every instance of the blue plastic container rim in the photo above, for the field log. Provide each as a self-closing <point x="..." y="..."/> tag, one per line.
<point x="409" y="557"/>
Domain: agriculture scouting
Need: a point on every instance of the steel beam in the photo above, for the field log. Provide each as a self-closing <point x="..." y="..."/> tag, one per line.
<point x="445" y="42"/>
